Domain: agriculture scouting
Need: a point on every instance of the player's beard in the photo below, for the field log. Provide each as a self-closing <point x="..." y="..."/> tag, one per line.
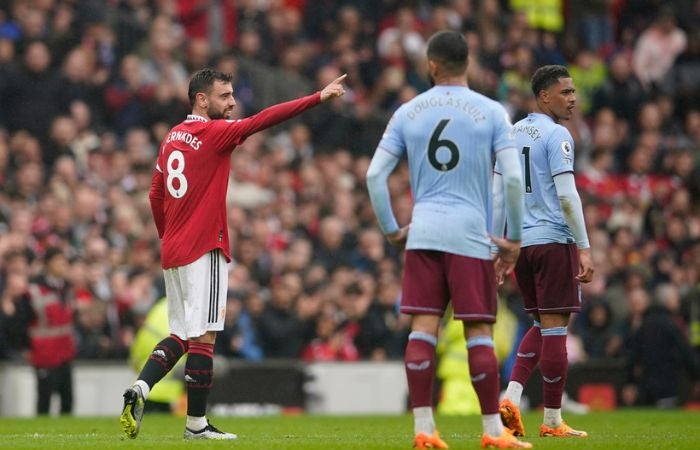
<point x="218" y="114"/>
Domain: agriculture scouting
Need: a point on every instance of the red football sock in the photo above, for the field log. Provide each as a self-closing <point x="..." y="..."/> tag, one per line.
<point x="553" y="365"/>
<point x="528" y="356"/>
<point x="483" y="368"/>
<point x="419" y="362"/>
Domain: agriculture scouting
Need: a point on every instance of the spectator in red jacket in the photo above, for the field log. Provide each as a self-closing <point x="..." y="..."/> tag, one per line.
<point x="46" y="315"/>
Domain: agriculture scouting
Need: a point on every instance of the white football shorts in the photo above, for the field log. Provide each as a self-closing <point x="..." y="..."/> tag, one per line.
<point x="197" y="295"/>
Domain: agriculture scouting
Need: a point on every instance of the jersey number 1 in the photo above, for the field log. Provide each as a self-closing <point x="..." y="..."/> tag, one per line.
<point x="528" y="181"/>
<point x="435" y="143"/>
<point x="176" y="173"/>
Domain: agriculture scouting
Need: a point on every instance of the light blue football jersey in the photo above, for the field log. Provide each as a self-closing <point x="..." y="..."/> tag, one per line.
<point x="546" y="150"/>
<point x="450" y="135"/>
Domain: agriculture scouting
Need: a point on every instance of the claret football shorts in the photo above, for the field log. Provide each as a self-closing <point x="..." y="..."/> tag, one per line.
<point x="197" y="295"/>
<point x="546" y="275"/>
<point x="432" y="279"/>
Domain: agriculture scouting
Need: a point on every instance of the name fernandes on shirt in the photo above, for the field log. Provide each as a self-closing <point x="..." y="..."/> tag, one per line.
<point x="184" y="136"/>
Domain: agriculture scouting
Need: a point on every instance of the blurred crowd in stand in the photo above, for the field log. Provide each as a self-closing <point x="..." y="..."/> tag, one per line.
<point x="89" y="89"/>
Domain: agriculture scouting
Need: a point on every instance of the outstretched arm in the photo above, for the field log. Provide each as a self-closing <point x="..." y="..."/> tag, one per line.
<point x="276" y="114"/>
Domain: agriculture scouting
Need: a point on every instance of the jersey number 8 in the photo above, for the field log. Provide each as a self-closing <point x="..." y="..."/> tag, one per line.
<point x="176" y="173"/>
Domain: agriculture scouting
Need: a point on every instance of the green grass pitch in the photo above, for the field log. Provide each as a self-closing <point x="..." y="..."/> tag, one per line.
<point x="625" y="429"/>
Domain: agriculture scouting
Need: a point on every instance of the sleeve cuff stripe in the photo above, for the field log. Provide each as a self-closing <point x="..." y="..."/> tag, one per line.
<point x="391" y="152"/>
<point x="563" y="171"/>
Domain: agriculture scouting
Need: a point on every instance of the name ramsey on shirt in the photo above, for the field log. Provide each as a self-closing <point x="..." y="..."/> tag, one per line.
<point x="530" y="130"/>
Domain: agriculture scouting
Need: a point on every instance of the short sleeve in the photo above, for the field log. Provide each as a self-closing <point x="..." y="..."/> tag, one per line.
<point x="560" y="151"/>
<point x="502" y="129"/>
<point x="392" y="140"/>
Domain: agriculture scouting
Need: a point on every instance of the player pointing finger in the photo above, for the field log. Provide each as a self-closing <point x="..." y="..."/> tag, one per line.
<point x="334" y="89"/>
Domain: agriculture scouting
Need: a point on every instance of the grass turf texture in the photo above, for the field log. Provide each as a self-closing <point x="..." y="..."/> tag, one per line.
<point x="625" y="429"/>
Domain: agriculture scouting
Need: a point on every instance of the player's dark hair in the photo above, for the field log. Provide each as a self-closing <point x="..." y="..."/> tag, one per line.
<point x="203" y="80"/>
<point x="449" y="49"/>
<point x="546" y="76"/>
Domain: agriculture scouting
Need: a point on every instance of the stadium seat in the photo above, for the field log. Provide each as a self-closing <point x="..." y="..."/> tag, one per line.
<point x="598" y="396"/>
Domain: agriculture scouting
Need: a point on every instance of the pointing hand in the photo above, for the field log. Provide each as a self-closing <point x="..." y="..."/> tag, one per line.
<point x="334" y="89"/>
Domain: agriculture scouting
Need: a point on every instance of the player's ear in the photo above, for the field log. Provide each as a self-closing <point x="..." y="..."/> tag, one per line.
<point x="432" y="67"/>
<point x="201" y="99"/>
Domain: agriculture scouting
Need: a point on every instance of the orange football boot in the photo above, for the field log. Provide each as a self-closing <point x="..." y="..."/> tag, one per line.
<point x="506" y="440"/>
<point x="563" y="430"/>
<point x="423" y="440"/>
<point x="510" y="416"/>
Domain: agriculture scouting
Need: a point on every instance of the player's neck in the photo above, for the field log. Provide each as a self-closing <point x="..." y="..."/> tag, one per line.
<point x="539" y="110"/>
<point x="452" y="81"/>
<point x="200" y="113"/>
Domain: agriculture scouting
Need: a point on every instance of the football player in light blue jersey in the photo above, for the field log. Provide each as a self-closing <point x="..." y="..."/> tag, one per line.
<point x="555" y="254"/>
<point x="546" y="151"/>
<point x="450" y="136"/>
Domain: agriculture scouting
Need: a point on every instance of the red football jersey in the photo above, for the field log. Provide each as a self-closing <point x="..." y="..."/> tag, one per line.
<point x="188" y="191"/>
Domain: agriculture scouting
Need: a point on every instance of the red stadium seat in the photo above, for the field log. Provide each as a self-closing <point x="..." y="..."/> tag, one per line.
<point x="598" y="396"/>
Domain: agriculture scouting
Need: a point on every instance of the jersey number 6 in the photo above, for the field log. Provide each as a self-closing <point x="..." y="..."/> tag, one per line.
<point x="176" y="173"/>
<point x="435" y="143"/>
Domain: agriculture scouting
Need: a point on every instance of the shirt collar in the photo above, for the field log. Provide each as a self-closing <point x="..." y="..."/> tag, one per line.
<point x="196" y="117"/>
<point x="535" y="115"/>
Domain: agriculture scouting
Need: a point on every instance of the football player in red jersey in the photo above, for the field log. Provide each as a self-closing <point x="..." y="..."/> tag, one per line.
<point x="188" y="201"/>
